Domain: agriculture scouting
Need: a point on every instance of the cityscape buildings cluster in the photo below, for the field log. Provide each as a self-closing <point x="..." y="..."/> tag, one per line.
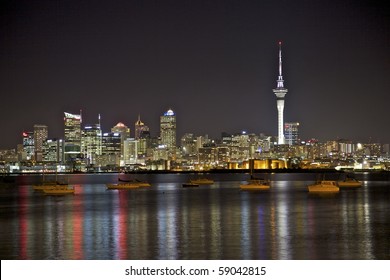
<point x="89" y="148"/>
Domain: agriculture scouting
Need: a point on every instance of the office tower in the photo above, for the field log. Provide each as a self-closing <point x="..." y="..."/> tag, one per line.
<point x="280" y="92"/>
<point x="188" y="144"/>
<point x="130" y="151"/>
<point x="139" y="128"/>
<point x="168" y="130"/>
<point x="53" y="150"/>
<point x="28" y="146"/>
<point x="40" y="136"/>
<point x="124" y="132"/>
<point x="72" y="125"/>
<point x="122" y="129"/>
<point x="111" y="148"/>
<point x="291" y="133"/>
<point x="91" y="142"/>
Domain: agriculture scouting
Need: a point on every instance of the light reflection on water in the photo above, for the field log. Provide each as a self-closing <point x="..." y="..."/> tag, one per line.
<point x="167" y="221"/>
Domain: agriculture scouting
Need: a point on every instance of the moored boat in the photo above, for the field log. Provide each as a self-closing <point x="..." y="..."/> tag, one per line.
<point x="190" y="185"/>
<point x="256" y="185"/>
<point x="202" y="181"/>
<point x="134" y="182"/>
<point x="349" y="183"/>
<point x="324" y="186"/>
<point x="122" y="186"/>
<point x="48" y="186"/>
<point x="59" y="190"/>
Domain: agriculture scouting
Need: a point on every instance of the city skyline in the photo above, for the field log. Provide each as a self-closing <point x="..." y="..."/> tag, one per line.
<point x="212" y="62"/>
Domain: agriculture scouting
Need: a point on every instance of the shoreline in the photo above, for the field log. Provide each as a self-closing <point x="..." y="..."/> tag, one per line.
<point x="156" y="176"/>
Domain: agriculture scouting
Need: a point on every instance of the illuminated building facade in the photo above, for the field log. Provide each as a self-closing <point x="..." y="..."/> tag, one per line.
<point x="140" y="128"/>
<point x="130" y="151"/>
<point x="72" y="133"/>
<point x="168" y="130"/>
<point x="280" y="92"/>
<point x="124" y="132"/>
<point x="28" y="146"/>
<point x="53" y="150"/>
<point x="40" y="136"/>
<point x="91" y="143"/>
<point x="291" y="133"/>
<point x="111" y="148"/>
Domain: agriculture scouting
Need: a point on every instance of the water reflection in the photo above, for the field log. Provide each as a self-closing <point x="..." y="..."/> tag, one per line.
<point x="167" y="221"/>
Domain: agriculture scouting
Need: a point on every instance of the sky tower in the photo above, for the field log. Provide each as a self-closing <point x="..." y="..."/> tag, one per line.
<point x="280" y="92"/>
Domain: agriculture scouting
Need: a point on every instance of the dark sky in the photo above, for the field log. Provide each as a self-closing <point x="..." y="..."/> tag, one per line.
<point x="214" y="63"/>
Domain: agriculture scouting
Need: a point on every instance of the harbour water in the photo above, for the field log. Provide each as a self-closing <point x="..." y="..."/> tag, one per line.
<point x="167" y="221"/>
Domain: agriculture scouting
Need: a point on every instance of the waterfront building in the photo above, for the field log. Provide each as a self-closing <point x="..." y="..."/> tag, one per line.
<point x="239" y="147"/>
<point x="72" y="133"/>
<point x="28" y="146"/>
<point x="40" y="136"/>
<point x="291" y="133"/>
<point x="280" y="91"/>
<point x="168" y="130"/>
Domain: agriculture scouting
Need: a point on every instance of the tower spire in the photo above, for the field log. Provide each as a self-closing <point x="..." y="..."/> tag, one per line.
<point x="280" y="77"/>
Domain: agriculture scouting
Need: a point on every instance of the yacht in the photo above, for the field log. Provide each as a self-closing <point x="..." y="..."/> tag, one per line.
<point x="349" y="183"/>
<point x="256" y="185"/>
<point x="190" y="185"/>
<point x="202" y="181"/>
<point x="324" y="186"/>
<point x="59" y="190"/>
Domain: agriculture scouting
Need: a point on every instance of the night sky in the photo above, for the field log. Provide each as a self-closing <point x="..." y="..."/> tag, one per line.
<point x="214" y="63"/>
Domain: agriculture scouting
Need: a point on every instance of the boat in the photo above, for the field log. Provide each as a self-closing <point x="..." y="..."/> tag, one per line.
<point x="48" y="186"/>
<point x="324" y="186"/>
<point x="256" y="185"/>
<point x="190" y="185"/>
<point x="134" y="182"/>
<point x="202" y="181"/>
<point x="59" y="190"/>
<point x="349" y="183"/>
<point x="122" y="186"/>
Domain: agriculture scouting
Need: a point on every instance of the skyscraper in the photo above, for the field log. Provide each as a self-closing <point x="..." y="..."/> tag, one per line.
<point x="291" y="133"/>
<point x="40" y="136"/>
<point x="91" y="143"/>
<point x="124" y="132"/>
<point x="139" y="128"/>
<point x="28" y="145"/>
<point x="72" y="127"/>
<point x="168" y="129"/>
<point x="280" y="91"/>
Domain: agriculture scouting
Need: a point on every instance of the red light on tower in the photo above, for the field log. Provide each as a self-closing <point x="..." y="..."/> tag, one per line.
<point x="25" y="134"/>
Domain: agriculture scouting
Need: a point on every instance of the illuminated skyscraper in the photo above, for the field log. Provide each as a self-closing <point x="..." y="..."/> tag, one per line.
<point x="139" y="128"/>
<point x="291" y="133"/>
<point x="122" y="129"/>
<point x="124" y="132"/>
<point x="28" y="145"/>
<point x="40" y="136"/>
<point x="91" y="142"/>
<point x="53" y="150"/>
<point x="72" y="125"/>
<point x="280" y="92"/>
<point x="168" y="129"/>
